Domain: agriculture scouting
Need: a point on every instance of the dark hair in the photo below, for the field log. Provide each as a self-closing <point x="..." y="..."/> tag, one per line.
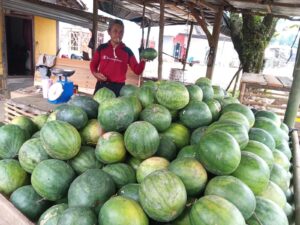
<point x="115" y="21"/>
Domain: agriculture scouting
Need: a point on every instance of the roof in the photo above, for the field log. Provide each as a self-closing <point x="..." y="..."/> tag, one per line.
<point x="74" y="4"/>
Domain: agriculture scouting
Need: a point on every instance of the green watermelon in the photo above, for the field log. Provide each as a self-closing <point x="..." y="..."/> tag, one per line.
<point x="195" y="114"/>
<point x="32" y="153"/>
<point x="218" y="92"/>
<point x="192" y="174"/>
<point x="129" y="90"/>
<point x="146" y="95"/>
<point x="280" y="177"/>
<point x="26" y="124"/>
<point x="60" y="140"/>
<point x="135" y="104"/>
<point x="150" y="165"/>
<point x="74" y="115"/>
<point x="141" y="139"/>
<point x="195" y="92"/>
<point x="197" y="135"/>
<point x="150" y="84"/>
<point x="116" y="114"/>
<point x="189" y="151"/>
<point x="281" y="159"/>
<point x="91" y="133"/>
<point x="91" y="189"/>
<point x="84" y="160"/>
<point x="29" y="202"/>
<point x="40" y="120"/>
<point x="121" y="173"/>
<point x="102" y="94"/>
<point x="158" y="115"/>
<point x="51" y="215"/>
<point x="262" y="151"/>
<point x="110" y="148"/>
<point x="260" y="135"/>
<point x="246" y="111"/>
<point x="51" y="178"/>
<point x="130" y="191"/>
<point x="179" y="134"/>
<point x="88" y="104"/>
<point x="228" y="100"/>
<point x="235" y="117"/>
<point x="203" y="80"/>
<point x="274" y="193"/>
<point x="290" y="213"/>
<point x="173" y="95"/>
<point x="253" y="171"/>
<point x="212" y="209"/>
<point x="77" y="216"/>
<point x="148" y="54"/>
<point x="208" y="91"/>
<point x="120" y="210"/>
<point x="12" y="138"/>
<point x="167" y="148"/>
<point x="270" y="115"/>
<point x="162" y="196"/>
<point x="219" y="152"/>
<point x="284" y="148"/>
<point x="215" y="108"/>
<point x="134" y="162"/>
<point x="267" y="212"/>
<point x="235" y="191"/>
<point x="12" y="176"/>
<point x="284" y="127"/>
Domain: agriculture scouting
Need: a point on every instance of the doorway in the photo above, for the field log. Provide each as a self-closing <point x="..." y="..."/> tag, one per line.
<point x="19" y="42"/>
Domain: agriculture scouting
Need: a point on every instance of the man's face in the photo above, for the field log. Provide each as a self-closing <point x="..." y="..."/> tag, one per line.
<point x="116" y="33"/>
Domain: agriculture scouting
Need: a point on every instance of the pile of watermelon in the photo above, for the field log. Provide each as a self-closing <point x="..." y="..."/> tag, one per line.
<point x="163" y="153"/>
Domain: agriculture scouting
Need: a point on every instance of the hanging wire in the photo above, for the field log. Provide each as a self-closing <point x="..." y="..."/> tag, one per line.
<point x="291" y="51"/>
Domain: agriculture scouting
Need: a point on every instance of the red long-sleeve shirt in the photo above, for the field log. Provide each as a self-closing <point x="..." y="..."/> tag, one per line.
<point x="112" y="62"/>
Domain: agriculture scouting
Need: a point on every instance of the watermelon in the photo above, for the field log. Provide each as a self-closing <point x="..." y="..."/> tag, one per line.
<point x="91" y="133"/>
<point x="88" y="104"/>
<point x="195" y="92"/>
<point x="253" y="171"/>
<point x="60" y="140"/>
<point x="84" y="160"/>
<point x="141" y="139"/>
<point x="51" y="178"/>
<point x="162" y="196"/>
<point x="74" y="115"/>
<point x="121" y="173"/>
<point x="212" y="209"/>
<point x="116" y="114"/>
<point x="290" y="213"/>
<point x="102" y="94"/>
<point x="284" y="148"/>
<point x="215" y="108"/>
<point x="218" y="92"/>
<point x="203" y="80"/>
<point x="208" y="91"/>
<point x="29" y="202"/>
<point x="134" y="162"/>
<point x="281" y="159"/>
<point x="280" y="177"/>
<point x="197" y="135"/>
<point x="12" y="176"/>
<point x="270" y="115"/>
<point x="189" y="151"/>
<point x="219" y="152"/>
<point x="77" y="216"/>
<point x="192" y="174"/>
<point x="183" y="219"/>
<point x="146" y="95"/>
<point x="12" y="138"/>
<point x="150" y="165"/>
<point x="158" y="115"/>
<point x="110" y="148"/>
<point x="262" y="151"/>
<point x="167" y="148"/>
<point x="129" y="90"/>
<point x="26" y="124"/>
<point x="266" y="212"/>
<point x="148" y="54"/>
<point x="195" y="114"/>
<point x="91" y="189"/>
<point x="246" y="111"/>
<point x="284" y="127"/>
<point x="130" y="191"/>
<point x="120" y="210"/>
<point x="235" y="117"/>
<point x="36" y="135"/>
<point x="179" y="134"/>
<point x="135" y="104"/>
<point x="51" y="215"/>
<point x="228" y="100"/>
<point x="173" y="95"/>
<point x="32" y="153"/>
<point x="260" y="135"/>
<point x="235" y="191"/>
<point x="274" y="193"/>
<point x="150" y="84"/>
<point x="40" y="120"/>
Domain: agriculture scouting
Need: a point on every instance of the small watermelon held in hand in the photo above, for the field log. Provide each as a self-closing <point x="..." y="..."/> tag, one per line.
<point x="149" y="54"/>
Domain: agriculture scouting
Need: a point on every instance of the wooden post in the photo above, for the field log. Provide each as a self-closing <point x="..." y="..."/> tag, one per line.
<point x="296" y="174"/>
<point x="161" y="37"/>
<point x="95" y="24"/>
<point x="148" y="34"/>
<point x="294" y="96"/>
<point x="214" y="44"/>
<point x="3" y="47"/>
<point x="188" y="46"/>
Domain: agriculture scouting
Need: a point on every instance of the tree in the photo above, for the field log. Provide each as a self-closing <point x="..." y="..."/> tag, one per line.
<point x="251" y="35"/>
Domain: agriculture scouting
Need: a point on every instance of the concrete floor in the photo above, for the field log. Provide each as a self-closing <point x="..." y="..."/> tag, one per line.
<point x="12" y="85"/>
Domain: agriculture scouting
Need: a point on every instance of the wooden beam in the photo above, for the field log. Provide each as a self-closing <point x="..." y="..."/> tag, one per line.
<point x="203" y="3"/>
<point x="202" y="23"/>
<point x="188" y="46"/>
<point x="161" y="38"/>
<point x="214" y="45"/>
<point x="261" y="2"/>
<point x="95" y="25"/>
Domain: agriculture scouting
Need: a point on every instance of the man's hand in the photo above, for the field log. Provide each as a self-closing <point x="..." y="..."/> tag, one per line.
<point x="100" y="77"/>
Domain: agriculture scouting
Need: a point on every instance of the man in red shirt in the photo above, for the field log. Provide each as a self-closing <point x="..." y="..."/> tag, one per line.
<point x="110" y="62"/>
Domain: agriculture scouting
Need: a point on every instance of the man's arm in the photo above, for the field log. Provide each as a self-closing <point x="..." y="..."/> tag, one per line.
<point x="94" y="67"/>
